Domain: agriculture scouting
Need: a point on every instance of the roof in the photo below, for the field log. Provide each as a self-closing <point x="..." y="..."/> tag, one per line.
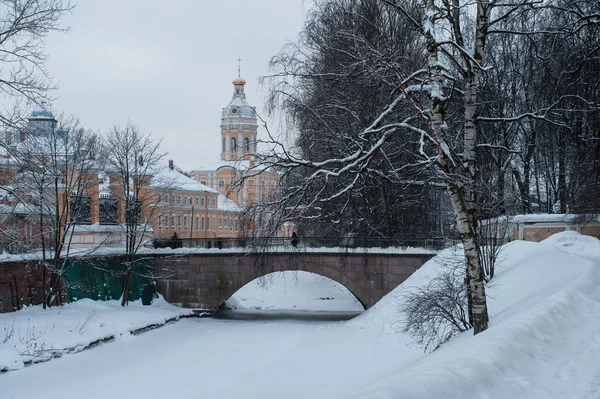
<point x="238" y="107"/>
<point x="172" y="179"/>
<point x="41" y="113"/>
<point x="227" y="205"/>
<point x="22" y="209"/>
<point x="546" y="218"/>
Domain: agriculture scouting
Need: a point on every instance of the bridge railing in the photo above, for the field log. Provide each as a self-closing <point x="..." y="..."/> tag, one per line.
<point x="313" y="242"/>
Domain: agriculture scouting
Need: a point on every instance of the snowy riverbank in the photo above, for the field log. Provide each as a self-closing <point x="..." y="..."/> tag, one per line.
<point x="33" y="334"/>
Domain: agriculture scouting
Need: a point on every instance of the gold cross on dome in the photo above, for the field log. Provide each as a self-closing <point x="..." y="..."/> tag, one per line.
<point x="239" y="67"/>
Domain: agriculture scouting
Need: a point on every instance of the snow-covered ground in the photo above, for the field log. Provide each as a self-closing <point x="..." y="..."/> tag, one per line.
<point x="543" y="342"/>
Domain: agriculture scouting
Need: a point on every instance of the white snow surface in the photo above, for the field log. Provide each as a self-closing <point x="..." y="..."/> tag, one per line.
<point x="34" y="334"/>
<point x="543" y="342"/>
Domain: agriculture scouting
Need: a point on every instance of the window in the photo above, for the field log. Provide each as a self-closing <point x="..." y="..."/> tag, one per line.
<point x="208" y="223"/>
<point x="202" y="226"/>
<point x="159" y="198"/>
<point x="203" y="182"/>
<point x="160" y="221"/>
<point x="185" y="221"/>
<point x="236" y="224"/>
<point x="214" y="223"/>
<point x="221" y="183"/>
<point x="230" y="224"/>
<point x="179" y="200"/>
<point x="214" y="203"/>
<point x="166" y="198"/>
<point x="173" y="221"/>
<point x="167" y="221"/>
<point x="191" y="201"/>
<point x="233" y="144"/>
<point x="202" y="202"/>
<point x="197" y="222"/>
<point x="220" y="223"/>
<point x="172" y="199"/>
<point x="247" y="144"/>
<point x="179" y="221"/>
<point x="223" y="145"/>
<point x="197" y="201"/>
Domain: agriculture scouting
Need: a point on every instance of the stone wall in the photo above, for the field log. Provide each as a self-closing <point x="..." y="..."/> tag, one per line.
<point x="20" y="285"/>
<point x="206" y="281"/>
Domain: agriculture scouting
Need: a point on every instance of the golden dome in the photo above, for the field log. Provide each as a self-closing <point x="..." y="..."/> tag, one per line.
<point x="239" y="81"/>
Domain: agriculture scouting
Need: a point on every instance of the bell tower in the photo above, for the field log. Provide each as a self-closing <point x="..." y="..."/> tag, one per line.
<point x="238" y="125"/>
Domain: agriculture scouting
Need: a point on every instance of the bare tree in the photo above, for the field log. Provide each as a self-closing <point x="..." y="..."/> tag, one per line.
<point x="132" y="163"/>
<point x="23" y="77"/>
<point x="57" y="168"/>
<point x="434" y="313"/>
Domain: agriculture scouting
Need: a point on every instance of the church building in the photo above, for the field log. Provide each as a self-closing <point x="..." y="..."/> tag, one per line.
<point x="239" y="128"/>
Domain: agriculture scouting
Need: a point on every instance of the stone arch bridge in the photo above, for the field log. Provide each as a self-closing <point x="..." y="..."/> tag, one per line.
<point x="206" y="280"/>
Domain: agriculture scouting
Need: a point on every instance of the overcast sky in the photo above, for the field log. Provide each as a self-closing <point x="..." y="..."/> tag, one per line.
<point x="167" y="66"/>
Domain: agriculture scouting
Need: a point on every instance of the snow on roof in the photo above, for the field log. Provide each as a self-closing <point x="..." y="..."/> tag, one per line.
<point x="107" y="228"/>
<point x="171" y="179"/>
<point x="225" y="204"/>
<point x="546" y="218"/>
<point x="21" y="209"/>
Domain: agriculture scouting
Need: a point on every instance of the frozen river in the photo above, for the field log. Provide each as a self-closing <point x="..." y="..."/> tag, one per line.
<point x="210" y="358"/>
<point x="287" y="345"/>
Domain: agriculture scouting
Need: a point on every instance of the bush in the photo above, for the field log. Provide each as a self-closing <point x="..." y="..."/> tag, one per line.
<point x="438" y="311"/>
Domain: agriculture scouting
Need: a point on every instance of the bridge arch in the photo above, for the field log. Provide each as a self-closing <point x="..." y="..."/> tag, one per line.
<point x="206" y="280"/>
<point x="302" y="276"/>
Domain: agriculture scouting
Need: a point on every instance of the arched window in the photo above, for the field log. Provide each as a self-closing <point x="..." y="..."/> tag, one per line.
<point x="223" y="145"/>
<point x="197" y="201"/>
<point x="247" y="144"/>
<point x="233" y="144"/>
<point x="202" y="202"/>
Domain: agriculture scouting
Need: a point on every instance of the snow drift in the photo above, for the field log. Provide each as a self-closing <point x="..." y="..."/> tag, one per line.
<point x="543" y="339"/>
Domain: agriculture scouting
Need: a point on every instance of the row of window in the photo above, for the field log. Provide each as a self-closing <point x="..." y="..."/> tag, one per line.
<point x="202" y="223"/>
<point x="185" y="200"/>
<point x="234" y="145"/>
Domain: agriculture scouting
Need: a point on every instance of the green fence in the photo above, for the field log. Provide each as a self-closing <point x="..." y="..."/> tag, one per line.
<point x="102" y="279"/>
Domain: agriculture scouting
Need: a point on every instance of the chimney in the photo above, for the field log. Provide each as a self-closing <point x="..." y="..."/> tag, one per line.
<point x="171" y="164"/>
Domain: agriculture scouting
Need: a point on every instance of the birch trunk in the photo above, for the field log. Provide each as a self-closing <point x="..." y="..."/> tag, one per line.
<point x="461" y="178"/>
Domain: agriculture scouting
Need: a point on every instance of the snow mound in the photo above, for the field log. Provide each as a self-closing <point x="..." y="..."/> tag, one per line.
<point x="542" y="341"/>
<point x="575" y="243"/>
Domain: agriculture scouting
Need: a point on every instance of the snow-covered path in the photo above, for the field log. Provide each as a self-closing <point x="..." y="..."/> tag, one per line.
<point x="204" y="358"/>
